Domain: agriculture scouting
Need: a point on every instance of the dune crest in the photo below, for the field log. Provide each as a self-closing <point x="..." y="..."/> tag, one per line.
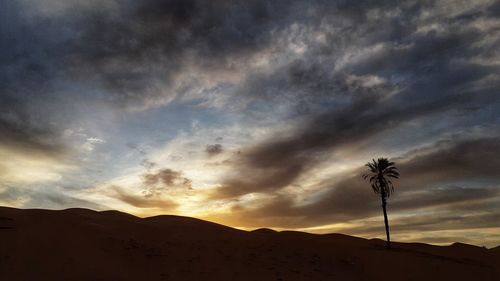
<point x="81" y="244"/>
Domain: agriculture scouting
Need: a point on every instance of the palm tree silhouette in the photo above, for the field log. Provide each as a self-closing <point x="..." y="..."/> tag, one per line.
<point x="379" y="176"/>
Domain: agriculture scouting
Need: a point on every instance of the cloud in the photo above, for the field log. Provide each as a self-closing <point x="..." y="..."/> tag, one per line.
<point x="148" y="54"/>
<point x="141" y="201"/>
<point x="164" y="180"/>
<point x="445" y="177"/>
<point x="278" y="162"/>
<point x="411" y="77"/>
<point x="159" y="190"/>
<point x="151" y="62"/>
<point x="29" y="167"/>
<point x="309" y="86"/>
<point x="474" y="159"/>
<point x="50" y="198"/>
<point x="125" y="54"/>
<point x="23" y="131"/>
<point x="213" y="149"/>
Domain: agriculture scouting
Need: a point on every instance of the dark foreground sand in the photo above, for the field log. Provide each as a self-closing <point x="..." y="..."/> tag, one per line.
<point x="80" y="244"/>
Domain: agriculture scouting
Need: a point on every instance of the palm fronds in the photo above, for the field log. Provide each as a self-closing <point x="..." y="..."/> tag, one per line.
<point x="380" y="174"/>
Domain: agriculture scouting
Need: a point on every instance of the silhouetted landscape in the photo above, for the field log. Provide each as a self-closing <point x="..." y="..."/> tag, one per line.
<point x="81" y="244"/>
<point x="249" y="140"/>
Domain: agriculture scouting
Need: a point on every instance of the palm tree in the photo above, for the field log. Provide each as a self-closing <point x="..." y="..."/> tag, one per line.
<point x="380" y="174"/>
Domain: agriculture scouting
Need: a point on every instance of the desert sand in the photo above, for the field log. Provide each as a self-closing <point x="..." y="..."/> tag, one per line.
<point x="81" y="244"/>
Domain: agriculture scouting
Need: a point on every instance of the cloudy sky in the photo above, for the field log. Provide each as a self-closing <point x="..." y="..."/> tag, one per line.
<point x="256" y="113"/>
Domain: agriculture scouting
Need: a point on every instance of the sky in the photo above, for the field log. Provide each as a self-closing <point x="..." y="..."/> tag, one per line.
<point x="256" y="113"/>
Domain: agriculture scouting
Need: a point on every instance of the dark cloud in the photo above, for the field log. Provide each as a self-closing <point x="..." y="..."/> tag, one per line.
<point x="427" y="180"/>
<point x="279" y="162"/>
<point x="129" y="55"/>
<point x="27" y="118"/>
<point x="474" y="160"/>
<point x="137" y="52"/>
<point x="141" y="201"/>
<point x="157" y="188"/>
<point x="411" y="77"/>
<point x="22" y="130"/>
<point x="166" y="177"/>
<point x="164" y="180"/>
<point x="133" y="54"/>
<point x="213" y="149"/>
<point x="442" y="177"/>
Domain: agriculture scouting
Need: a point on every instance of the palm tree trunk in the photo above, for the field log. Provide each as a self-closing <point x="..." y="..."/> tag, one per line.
<point x="386" y="221"/>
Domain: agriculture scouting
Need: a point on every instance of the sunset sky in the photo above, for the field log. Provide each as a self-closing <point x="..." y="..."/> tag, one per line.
<point x="256" y="113"/>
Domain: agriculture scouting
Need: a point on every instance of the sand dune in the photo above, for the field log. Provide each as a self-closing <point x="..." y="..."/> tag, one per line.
<point x="80" y="244"/>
